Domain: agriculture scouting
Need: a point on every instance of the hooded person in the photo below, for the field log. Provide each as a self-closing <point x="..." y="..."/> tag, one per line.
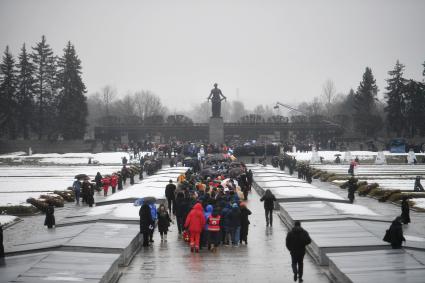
<point x="296" y="241"/>
<point x="204" y="234"/>
<point x="195" y="222"/>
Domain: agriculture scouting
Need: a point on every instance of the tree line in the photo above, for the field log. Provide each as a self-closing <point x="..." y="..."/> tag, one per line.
<point x="41" y="94"/>
<point x="400" y="113"/>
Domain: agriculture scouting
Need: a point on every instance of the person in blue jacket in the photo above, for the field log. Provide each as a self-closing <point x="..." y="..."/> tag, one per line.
<point x="154" y="214"/>
<point x="204" y="233"/>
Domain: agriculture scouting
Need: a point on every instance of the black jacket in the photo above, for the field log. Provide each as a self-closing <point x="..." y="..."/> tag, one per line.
<point x="170" y="189"/>
<point x="396" y="234"/>
<point x="145" y="218"/>
<point x="245" y="212"/>
<point x="297" y="239"/>
<point x="268" y="201"/>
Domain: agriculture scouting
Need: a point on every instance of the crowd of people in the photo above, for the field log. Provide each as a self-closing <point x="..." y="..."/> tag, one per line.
<point x="209" y="207"/>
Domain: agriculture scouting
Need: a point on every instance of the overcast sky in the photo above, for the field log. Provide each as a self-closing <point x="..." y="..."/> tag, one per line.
<point x="269" y="50"/>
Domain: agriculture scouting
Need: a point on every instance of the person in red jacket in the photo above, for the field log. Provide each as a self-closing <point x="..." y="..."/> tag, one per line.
<point x="106" y="181"/>
<point x="195" y="222"/>
<point x="114" y="183"/>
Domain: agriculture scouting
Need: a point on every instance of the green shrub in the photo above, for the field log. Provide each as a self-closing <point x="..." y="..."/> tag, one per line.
<point x="387" y="194"/>
<point x="55" y="200"/>
<point x="66" y="195"/>
<point x="377" y="192"/>
<point x="365" y="188"/>
<point x="317" y="174"/>
<point x="41" y="204"/>
<point x="18" y="210"/>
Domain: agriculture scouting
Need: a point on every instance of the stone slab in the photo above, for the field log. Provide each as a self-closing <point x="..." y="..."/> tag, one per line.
<point x="52" y="238"/>
<point x="99" y="237"/>
<point x="216" y="130"/>
<point x="340" y="236"/>
<point x="389" y="266"/>
<point x="58" y="266"/>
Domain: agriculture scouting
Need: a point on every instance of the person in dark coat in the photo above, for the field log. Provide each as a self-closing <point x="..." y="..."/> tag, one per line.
<point x="235" y="224"/>
<point x="250" y="178"/>
<point x="352" y="187"/>
<point x="98" y="180"/>
<point x="396" y="233"/>
<point x="1" y="242"/>
<point x="405" y="211"/>
<point x="245" y="212"/>
<point x="296" y="241"/>
<point x="50" y="217"/>
<point x="90" y="196"/>
<point x="269" y="200"/>
<point x="120" y="186"/>
<point x="181" y="210"/>
<point x="170" y="190"/>
<point x="418" y="186"/>
<point x="146" y="223"/>
<point x="164" y="221"/>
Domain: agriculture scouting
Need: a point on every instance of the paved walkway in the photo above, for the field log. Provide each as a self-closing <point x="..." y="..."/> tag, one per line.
<point x="264" y="259"/>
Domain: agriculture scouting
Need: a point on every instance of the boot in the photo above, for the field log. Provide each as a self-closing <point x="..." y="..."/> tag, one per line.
<point x="162" y="238"/>
<point x="165" y="237"/>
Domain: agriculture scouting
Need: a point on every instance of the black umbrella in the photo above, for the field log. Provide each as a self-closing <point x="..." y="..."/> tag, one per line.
<point x="208" y="172"/>
<point x="81" y="176"/>
<point x="235" y="172"/>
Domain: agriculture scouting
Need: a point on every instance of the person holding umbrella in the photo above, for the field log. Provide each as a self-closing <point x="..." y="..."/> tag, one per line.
<point x="77" y="190"/>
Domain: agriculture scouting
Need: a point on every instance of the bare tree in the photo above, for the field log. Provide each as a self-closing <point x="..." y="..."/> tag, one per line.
<point x="108" y="95"/>
<point x="148" y="104"/>
<point x="328" y="95"/>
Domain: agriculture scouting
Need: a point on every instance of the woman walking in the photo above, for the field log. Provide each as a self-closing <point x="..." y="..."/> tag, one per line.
<point x="245" y="212"/>
<point x="146" y="223"/>
<point x="269" y="200"/>
<point x="195" y="222"/>
<point x="164" y="221"/>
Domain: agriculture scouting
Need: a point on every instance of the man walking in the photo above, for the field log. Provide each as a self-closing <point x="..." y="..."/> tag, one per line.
<point x="296" y="241"/>
<point x="170" y="191"/>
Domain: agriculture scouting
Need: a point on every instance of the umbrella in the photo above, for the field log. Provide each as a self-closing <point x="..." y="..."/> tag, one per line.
<point x="235" y="172"/>
<point x="252" y="153"/>
<point x="208" y="171"/>
<point x="337" y="154"/>
<point x="81" y="176"/>
<point x="148" y="200"/>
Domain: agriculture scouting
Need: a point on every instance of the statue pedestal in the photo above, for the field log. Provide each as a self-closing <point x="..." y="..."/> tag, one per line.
<point x="216" y="130"/>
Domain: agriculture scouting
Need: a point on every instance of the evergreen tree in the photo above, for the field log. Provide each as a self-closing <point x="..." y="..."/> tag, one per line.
<point x="8" y="95"/>
<point x="72" y="107"/>
<point x="45" y="87"/>
<point x="365" y="117"/>
<point x="396" y="104"/>
<point x="415" y="107"/>
<point x="25" y="93"/>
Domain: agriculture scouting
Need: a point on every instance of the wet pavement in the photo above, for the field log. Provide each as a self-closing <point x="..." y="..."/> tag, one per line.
<point x="264" y="259"/>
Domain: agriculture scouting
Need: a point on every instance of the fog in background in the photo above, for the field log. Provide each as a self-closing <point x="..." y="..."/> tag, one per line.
<point x="259" y="52"/>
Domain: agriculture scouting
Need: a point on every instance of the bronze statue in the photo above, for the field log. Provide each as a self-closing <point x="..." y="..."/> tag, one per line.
<point x="216" y="97"/>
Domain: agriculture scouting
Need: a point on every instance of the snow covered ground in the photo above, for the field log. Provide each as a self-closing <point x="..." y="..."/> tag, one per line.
<point x="331" y="155"/>
<point x="7" y="219"/>
<point x="70" y="158"/>
<point x="419" y="202"/>
<point x="18" y="183"/>
<point x="288" y="187"/>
